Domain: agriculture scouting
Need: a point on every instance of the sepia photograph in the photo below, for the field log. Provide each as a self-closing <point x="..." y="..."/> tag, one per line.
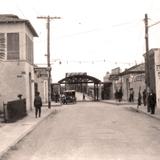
<point x="79" y="80"/>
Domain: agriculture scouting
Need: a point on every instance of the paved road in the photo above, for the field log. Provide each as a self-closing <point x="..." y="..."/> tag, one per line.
<point x="91" y="131"/>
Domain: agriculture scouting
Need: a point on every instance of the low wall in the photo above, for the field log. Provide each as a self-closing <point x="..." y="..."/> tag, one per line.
<point x="14" y="110"/>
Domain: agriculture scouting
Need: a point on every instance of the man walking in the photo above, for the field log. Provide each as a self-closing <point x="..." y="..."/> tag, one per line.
<point x="37" y="104"/>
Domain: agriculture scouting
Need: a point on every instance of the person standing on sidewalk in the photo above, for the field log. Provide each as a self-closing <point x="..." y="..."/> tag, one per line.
<point x="83" y="96"/>
<point x="151" y="102"/>
<point x="120" y="94"/>
<point x="144" y="97"/>
<point x="139" y="99"/>
<point x="37" y="104"/>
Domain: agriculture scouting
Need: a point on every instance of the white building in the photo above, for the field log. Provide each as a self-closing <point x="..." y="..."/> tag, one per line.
<point x="16" y="54"/>
<point x="154" y="72"/>
<point x="41" y="82"/>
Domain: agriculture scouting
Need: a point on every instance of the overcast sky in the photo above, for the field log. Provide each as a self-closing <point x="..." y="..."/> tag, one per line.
<point x="93" y="36"/>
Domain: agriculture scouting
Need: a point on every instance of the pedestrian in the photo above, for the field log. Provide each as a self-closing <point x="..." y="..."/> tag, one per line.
<point x="37" y="104"/>
<point x="131" y="97"/>
<point x="83" y="96"/>
<point x="144" y="97"/>
<point x="139" y="100"/>
<point x="63" y="98"/>
<point x="151" y="102"/>
<point x="56" y="97"/>
<point x="116" y="95"/>
<point x="120" y="94"/>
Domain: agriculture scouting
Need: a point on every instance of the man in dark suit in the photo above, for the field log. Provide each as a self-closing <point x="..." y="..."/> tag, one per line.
<point x="37" y="104"/>
<point x="151" y="102"/>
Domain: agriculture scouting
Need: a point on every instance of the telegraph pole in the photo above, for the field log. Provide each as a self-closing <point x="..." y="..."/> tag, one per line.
<point x="48" y="18"/>
<point x="147" y="48"/>
<point x="147" y="51"/>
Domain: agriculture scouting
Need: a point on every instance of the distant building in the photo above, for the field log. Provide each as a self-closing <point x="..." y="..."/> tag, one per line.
<point x="106" y="87"/>
<point x="133" y="80"/>
<point x="41" y="82"/>
<point x="106" y="77"/>
<point x="116" y="81"/>
<point x="17" y="59"/>
<point x="130" y="80"/>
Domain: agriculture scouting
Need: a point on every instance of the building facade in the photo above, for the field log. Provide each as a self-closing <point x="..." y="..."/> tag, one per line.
<point x="17" y="59"/>
<point x="41" y="82"/>
<point x="131" y="80"/>
<point x="153" y="74"/>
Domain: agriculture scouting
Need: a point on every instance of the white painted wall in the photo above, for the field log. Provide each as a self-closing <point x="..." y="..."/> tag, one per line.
<point x="157" y="74"/>
<point x="14" y="74"/>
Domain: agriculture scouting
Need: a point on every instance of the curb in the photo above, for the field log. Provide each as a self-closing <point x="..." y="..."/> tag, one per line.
<point x="28" y="131"/>
<point x="146" y="113"/>
<point x="118" y="103"/>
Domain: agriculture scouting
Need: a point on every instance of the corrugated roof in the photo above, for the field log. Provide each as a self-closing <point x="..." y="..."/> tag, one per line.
<point x="11" y="18"/>
<point x="78" y="79"/>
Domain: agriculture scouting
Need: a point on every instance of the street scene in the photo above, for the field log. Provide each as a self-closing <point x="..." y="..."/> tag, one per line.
<point x="80" y="80"/>
<point x="85" y="131"/>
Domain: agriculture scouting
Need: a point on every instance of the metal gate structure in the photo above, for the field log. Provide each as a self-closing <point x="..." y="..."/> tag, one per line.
<point x="80" y="81"/>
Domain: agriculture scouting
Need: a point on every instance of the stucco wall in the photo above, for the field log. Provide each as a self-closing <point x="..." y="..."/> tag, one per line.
<point x="157" y="75"/>
<point x="17" y="76"/>
<point x="131" y="81"/>
<point x="14" y="80"/>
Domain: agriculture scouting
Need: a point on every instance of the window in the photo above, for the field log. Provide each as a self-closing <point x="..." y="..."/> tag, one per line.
<point x="12" y="46"/>
<point x="2" y="46"/>
<point x="29" y="49"/>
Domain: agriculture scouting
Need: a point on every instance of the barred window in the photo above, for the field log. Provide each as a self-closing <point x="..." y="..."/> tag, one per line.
<point x="2" y="46"/>
<point x="12" y="46"/>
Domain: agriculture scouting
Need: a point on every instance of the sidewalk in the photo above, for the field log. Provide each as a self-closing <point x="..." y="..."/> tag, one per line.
<point x="142" y="109"/>
<point x="12" y="133"/>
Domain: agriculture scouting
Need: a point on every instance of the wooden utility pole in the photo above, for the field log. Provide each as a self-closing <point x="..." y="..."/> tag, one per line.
<point x="48" y="18"/>
<point x="147" y="51"/>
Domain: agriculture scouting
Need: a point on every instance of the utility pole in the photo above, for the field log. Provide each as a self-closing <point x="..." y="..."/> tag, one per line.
<point x="48" y="18"/>
<point x="147" y="50"/>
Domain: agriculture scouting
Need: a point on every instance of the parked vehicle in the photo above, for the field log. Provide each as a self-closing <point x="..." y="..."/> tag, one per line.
<point x="69" y="96"/>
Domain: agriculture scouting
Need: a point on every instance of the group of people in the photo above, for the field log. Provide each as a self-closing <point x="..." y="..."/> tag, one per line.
<point x="118" y="95"/>
<point x="149" y="99"/>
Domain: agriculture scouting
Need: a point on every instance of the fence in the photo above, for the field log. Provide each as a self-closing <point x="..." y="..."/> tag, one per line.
<point x="14" y="110"/>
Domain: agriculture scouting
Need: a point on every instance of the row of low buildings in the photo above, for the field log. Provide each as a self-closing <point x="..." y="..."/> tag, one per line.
<point x="138" y="77"/>
<point x="130" y="80"/>
<point x="18" y="73"/>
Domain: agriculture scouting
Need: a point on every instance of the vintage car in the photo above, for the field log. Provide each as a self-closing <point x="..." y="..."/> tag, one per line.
<point x="69" y="96"/>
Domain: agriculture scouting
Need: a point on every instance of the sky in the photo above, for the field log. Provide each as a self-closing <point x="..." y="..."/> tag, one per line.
<point x="93" y="36"/>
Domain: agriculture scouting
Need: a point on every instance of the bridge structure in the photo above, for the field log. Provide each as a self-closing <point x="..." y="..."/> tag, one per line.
<point x="83" y="83"/>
